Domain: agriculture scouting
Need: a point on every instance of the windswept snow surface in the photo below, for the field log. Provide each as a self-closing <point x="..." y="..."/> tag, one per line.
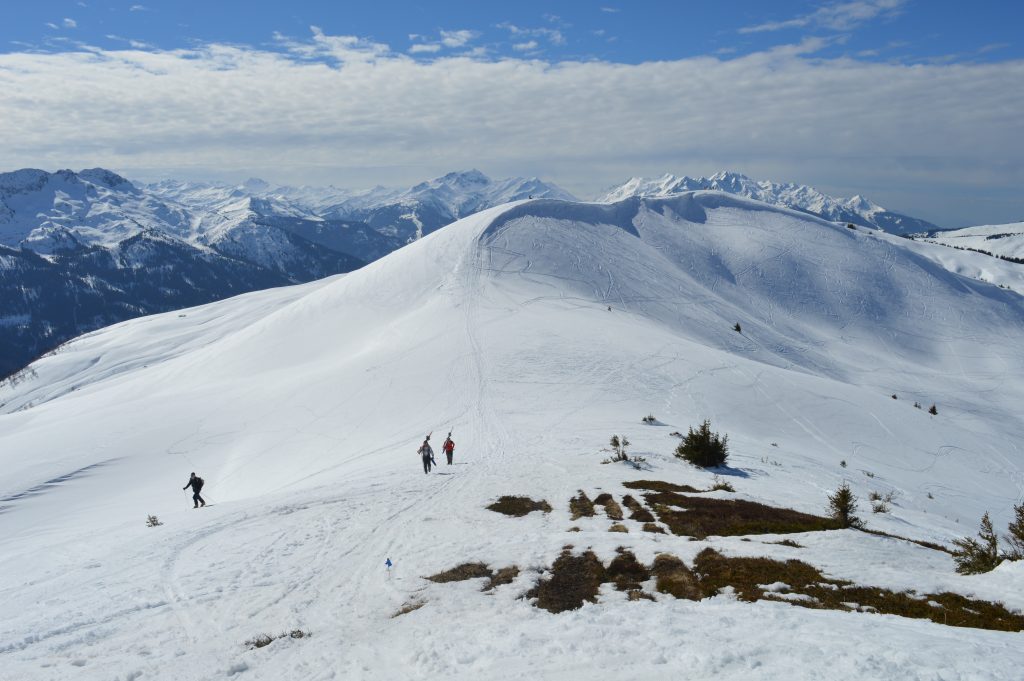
<point x="1006" y="240"/>
<point x="303" y="407"/>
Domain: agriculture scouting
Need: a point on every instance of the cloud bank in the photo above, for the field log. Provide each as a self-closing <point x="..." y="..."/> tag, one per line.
<point x="343" y="109"/>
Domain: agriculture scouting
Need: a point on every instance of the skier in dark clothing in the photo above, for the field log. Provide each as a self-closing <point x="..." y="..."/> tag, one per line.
<point x="449" y="448"/>
<point x="197" y="485"/>
<point x="427" y="453"/>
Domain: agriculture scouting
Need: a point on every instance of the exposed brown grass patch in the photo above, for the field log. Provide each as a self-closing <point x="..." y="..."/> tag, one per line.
<point x="787" y="542"/>
<point x="573" y="580"/>
<point x="674" y="578"/>
<point x="581" y="506"/>
<point x="654" y="527"/>
<point x="518" y="506"/>
<point x="611" y="507"/>
<point x="618" y="527"/>
<point x="746" y="575"/>
<point x="701" y="517"/>
<point x="659" y="486"/>
<point x="461" y="573"/>
<point x="638" y="511"/>
<point x="504" y="575"/>
<point x="626" y="572"/>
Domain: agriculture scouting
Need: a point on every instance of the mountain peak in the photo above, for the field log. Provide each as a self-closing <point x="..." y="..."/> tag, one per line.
<point x="857" y="210"/>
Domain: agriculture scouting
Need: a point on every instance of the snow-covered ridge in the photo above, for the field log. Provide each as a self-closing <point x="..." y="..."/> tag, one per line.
<point x="857" y="210"/>
<point x="1000" y="240"/>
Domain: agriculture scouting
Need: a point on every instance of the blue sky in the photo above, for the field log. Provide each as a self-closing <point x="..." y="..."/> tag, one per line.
<point x="913" y="103"/>
<point x="630" y="32"/>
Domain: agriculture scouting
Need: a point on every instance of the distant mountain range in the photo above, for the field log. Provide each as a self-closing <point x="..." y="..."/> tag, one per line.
<point x="82" y="250"/>
<point x="857" y="210"/>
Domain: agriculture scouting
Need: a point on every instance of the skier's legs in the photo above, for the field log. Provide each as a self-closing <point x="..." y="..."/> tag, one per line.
<point x="449" y="455"/>
<point x="426" y="464"/>
<point x="195" y="500"/>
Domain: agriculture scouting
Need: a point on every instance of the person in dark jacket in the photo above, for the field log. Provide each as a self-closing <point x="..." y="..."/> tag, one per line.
<point x="427" y="453"/>
<point x="196" y="483"/>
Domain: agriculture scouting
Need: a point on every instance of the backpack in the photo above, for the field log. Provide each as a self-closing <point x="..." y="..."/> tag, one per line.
<point x="201" y="483"/>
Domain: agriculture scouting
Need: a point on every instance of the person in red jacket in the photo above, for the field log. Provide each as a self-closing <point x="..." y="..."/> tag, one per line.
<point x="449" y="448"/>
<point x="196" y="483"/>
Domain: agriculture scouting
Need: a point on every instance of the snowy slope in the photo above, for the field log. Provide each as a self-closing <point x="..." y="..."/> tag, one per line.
<point x="857" y="210"/>
<point x="1002" y="240"/>
<point x="303" y="406"/>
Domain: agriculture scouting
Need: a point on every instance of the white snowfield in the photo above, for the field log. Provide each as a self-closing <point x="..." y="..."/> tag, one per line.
<point x="1005" y="240"/>
<point x="303" y="408"/>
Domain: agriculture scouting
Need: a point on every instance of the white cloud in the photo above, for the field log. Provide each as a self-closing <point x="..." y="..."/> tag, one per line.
<point x="456" y="38"/>
<point x="525" y="47"/>
<point x="419" y="48"/>
<point x="345" y="109"/>
<point x="52" y="25"/>
<point x="139" y="8"/>
<point x="554" y="36"/>
<point x="842" y="16"/>
<point x="70" y="23"/>
<point x="610" y="10"/>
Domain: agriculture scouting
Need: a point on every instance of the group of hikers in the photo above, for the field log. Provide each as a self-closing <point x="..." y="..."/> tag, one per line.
<point x="425" y="451"/>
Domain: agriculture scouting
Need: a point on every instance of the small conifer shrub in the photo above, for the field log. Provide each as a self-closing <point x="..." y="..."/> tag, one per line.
<point x="933" y="411"/>
<point x="619" y="445"/>
<point x="1016" y="536"/>
<point x="704" y="448"/>
<point x="152" y="521"/>
<point x="842" y="507"/>
<point x="737" y="328"/>
<point x="974" y="556"/>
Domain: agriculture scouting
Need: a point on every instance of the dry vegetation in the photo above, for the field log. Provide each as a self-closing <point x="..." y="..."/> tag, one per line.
<point x="573" y="580"/>
<point x="638" y="511"/>
<point x="701" y="517"/>
<point x="581" y="506"/>
<point x="611" y="507"/>
<point x="518" y="506"/>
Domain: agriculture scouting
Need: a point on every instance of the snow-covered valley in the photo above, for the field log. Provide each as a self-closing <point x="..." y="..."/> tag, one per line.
<point x="533" y="331"/>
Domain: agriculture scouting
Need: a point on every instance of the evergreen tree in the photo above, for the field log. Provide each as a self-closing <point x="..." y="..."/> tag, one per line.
<point x="842" y="507"/>
<point x="1016" y="536"/>
<point x="704" y="448"/>
<point x="974" y="556"/>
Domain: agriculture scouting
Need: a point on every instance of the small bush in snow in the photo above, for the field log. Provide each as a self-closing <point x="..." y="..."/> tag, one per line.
<point x="152" y="521"/>
<point x="842" y="507"/>
<point x="917" y="405"/>
<point x="843" y="463"/>
<point x="704" y="448"/>
<point x="649" y="419"/>
<point x="1016" y="536"/>
<point x="974" y="556"/>
<point x="619" y="445"/>
<point x="737" y="328"/>
<point x="720" y="485"/>
<point x="933" y="411"/>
